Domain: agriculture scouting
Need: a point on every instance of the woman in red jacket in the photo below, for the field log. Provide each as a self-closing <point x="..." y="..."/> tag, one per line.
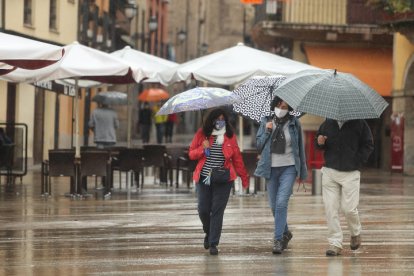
<point x="215" y="145"/>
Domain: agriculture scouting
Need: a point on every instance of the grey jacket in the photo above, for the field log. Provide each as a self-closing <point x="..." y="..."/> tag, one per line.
<point x="265" y="162"/>
<point x="104" y="122"/>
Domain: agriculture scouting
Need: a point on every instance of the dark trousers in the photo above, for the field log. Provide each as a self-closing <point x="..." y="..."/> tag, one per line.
<point x="212" y="201"/>
<point x="169" y="127"/>
<point x="160" y="132"/>
<point x="145" y="133"/>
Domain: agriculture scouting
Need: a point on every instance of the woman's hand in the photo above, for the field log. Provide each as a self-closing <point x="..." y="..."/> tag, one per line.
<point x="269" y="126"/>
<point x="321" y="140"/>
<point x="206" y="144"/>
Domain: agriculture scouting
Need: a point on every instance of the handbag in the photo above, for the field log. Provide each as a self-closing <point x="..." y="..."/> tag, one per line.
<point x="219" y="175"/>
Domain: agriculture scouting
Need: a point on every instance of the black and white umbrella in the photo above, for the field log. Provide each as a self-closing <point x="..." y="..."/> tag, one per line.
<point x="331" y="94"/>
<point x="256" y="94"/>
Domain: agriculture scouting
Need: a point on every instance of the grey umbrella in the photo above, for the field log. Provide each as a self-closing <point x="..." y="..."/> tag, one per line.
<point x="331" y="94"/>
<point x="111" y="98"/>
<point x="198" y="98"/>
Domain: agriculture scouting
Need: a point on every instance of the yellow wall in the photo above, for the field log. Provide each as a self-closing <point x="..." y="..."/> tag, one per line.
<point x="25" y="102"/>
<point x="315" y="11"/>
<point x="403" y="50"/>
<point x="3" y="101"/>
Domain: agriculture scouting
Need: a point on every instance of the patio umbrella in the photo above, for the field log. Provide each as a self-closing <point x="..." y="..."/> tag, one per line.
<point x="153" y="95"/>
<point x="111" y="98"/>
<point x="232" y="66"/>
<point x="27" y="53"/>
<point x="331" y="94"/>
<point x="79" y="62"/>
<point x="198" y="98"/>
<point x="149" y="65"/>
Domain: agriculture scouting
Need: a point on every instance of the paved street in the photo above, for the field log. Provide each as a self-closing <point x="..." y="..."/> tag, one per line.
<point x="157" y="231"/>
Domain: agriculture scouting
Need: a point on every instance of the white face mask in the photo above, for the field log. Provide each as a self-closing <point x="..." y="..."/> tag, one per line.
<point x="280" y="113"/>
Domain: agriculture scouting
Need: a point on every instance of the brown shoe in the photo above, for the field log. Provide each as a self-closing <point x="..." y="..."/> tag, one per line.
<point x="333" y="251"/>
<point x="355" y="242"/>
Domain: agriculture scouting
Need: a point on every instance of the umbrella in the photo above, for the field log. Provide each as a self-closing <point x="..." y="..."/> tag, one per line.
<point x="331" y="94"/>
<point x="27" y="53"/>
<point x="111" y="98"/>
<point x="198" y="98"/>
<point x="256" y="94"/>
<point x="153" y="95"/>
<point x="232" y="66"/>
<point x="149" y="65"/>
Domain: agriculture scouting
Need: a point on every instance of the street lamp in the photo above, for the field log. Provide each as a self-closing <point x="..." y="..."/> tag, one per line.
<point x="203" y="48"/>
<point x="130" y="11"/>
<point x="181" y="35"/>
<point x="153" y="24"/>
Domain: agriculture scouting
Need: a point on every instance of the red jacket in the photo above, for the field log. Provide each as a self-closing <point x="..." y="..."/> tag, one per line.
<point x="231" y="152"/>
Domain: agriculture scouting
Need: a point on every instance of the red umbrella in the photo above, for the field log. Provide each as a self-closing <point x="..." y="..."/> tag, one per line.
<point x="153" y="95"/>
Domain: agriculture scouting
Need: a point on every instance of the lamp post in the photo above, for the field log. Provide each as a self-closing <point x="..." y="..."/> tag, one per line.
<point x="181" y="37"/>
<point x="152" y="27"/>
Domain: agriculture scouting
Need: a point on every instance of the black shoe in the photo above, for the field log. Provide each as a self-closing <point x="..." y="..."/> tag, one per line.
<point x="213" y="250"/>
<point x="287" y="236"/>
<point x="277" y="247"/>
<point x="206" y="244"/>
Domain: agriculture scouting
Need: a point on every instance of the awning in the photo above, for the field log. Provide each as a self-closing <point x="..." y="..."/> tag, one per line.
<point x="371" y="65"/>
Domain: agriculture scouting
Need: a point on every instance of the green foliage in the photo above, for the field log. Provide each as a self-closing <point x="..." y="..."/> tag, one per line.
<point x="392" y="6"/>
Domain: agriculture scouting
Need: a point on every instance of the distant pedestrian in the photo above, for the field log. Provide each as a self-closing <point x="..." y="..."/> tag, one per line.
<point x="104" y="122"/>
<point x="347" y="145"/>
<point x="215" y="146"/>
<point x="282" y="160"/>
<point x="144" y="122"/>
<point x="169" y="127"/>
<point x="159" y="123"/>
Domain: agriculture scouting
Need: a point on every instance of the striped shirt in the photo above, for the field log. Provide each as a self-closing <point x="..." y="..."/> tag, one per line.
<point x="215" y="160"/>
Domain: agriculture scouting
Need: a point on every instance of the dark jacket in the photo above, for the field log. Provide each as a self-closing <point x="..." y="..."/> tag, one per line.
<point x="346" y="149"/>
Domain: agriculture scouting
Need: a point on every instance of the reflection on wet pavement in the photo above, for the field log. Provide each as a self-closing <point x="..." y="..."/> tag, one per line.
<point x="157" y="231"/>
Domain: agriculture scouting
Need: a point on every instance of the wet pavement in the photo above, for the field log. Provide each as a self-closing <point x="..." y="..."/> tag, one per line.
<point x="156" y="231"/>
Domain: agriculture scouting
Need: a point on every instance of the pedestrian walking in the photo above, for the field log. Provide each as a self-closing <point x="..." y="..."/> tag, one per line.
<point x="159" y="123"/>
<point x="347" y="146"/>
<point x="144" y="122"/>
<point x="169" y="127"/>
<point x="282" y="160"/>
<point x="104" y="122"/>
<point x="216" y="149"/>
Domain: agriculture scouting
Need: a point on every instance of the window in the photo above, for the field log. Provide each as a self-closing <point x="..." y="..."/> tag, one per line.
<point x="27" y="17"/>
<point x="53" y="15"/>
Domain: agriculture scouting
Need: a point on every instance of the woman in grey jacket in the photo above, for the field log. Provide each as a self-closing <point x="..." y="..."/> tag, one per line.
<point x="282" y="160"/>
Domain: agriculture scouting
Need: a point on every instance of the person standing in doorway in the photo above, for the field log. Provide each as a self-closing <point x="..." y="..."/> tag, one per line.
<point x="104" y="122"/>
<point x="347" y="145"/>
<point x="282" y="160"/>
<point x="215" y="146"/>
<point x="144" y="122"/>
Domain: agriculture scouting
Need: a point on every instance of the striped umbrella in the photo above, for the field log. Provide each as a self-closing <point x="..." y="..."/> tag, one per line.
<point x="331" y="94"/>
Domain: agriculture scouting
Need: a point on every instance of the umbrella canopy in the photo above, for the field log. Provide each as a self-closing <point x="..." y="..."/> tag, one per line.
<point x="256" y="94"/>
<point x="153" y="95"/>
<point x="232" y="66"/>
<point x="198" y="98"/>
<point x="111" y="98"/>
<point x="79" y="62"/>
<point x="27" y="53"/>
<point x="331" y="94"/>
<point x="148" y="65"/>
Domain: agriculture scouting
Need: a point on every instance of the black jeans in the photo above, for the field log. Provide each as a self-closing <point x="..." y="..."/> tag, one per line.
<point x="212" y="201"/>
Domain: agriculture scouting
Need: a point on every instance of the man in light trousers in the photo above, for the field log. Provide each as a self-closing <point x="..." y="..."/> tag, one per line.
<point x="347" y="146"/>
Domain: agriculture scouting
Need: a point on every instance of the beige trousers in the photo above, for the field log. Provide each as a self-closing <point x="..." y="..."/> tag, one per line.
<point x="340" y="190"/>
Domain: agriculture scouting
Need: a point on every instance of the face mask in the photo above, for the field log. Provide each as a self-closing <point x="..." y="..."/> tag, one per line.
<point x="220" y="124"/>
<point x="280" y="113"/>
